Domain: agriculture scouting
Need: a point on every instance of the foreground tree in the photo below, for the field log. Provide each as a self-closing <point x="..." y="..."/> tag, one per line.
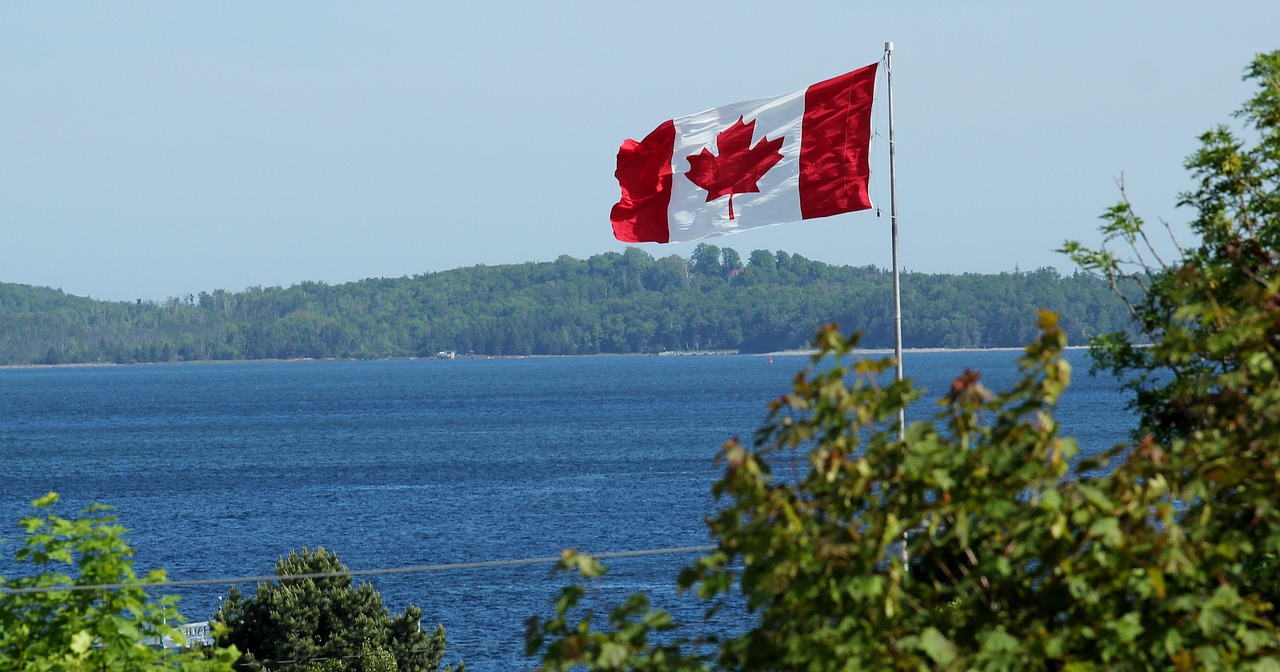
<point x="1017" y="554"/>
<point x="325" y="622"/>
<point x="1201" y="310"/>
<point x="47" y="624"/>
<point x="1209" y="380"/>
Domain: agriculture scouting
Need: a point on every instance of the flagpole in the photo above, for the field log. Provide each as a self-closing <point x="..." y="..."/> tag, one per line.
<point x="893" y="218"/>
<point x="897" y="284"/>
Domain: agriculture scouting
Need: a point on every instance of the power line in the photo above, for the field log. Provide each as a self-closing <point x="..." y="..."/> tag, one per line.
<point x="362" y="572"/>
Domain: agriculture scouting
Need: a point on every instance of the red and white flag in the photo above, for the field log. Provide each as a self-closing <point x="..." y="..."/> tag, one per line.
<point x="751" y="164"/>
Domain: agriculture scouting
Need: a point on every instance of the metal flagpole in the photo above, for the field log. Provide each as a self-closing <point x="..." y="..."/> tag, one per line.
<point x="897" y="287"/>
<point x="893" y="218"/>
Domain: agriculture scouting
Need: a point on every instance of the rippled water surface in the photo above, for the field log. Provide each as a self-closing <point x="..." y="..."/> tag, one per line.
<point x="218" y="469"/>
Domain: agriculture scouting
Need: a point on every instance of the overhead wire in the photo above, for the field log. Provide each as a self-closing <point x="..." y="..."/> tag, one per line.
<point x="350" y="573"/>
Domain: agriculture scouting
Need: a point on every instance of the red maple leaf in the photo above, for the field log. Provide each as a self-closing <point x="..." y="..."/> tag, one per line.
<point x="739" y="165"/>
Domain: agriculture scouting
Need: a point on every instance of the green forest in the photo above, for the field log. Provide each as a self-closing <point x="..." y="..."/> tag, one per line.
<point x="618" y="303"/>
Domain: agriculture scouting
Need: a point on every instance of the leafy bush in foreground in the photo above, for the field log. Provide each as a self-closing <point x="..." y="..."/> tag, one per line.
<point x="43" y="628"/>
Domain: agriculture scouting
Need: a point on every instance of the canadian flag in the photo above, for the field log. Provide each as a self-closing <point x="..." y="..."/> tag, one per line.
<point x="756" y="163"/>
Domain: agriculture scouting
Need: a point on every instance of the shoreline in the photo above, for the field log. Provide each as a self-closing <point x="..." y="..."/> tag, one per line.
<point x="672" y="353"/>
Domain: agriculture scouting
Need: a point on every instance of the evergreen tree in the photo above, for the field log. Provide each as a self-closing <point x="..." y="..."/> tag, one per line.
<point x="324" y="622"/>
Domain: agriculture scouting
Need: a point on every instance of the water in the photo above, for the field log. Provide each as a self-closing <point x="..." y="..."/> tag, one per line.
<point x="219" y="469"/>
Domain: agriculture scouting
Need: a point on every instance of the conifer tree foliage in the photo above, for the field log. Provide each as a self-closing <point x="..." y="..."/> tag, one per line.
<point x="121" y="628"/>
<point x="325" y="623"/>
<point x="980" y="539"/>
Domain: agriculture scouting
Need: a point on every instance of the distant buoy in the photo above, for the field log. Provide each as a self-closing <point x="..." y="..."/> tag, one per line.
<point x="770" y="359"/>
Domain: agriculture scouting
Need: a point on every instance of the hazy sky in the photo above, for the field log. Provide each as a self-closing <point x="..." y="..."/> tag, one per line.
<point x="150" y="150"/>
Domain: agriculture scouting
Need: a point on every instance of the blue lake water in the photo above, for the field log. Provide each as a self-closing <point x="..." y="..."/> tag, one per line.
<point x="219" y="469"/>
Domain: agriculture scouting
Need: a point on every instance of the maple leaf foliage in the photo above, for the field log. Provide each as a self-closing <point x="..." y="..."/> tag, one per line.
<point x="739" y="165"/>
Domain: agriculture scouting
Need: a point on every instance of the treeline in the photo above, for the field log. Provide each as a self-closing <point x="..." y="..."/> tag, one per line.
<point x="610" y="303"/>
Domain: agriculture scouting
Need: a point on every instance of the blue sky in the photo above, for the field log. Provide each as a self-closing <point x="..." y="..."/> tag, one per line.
<point x="150" y="150"/>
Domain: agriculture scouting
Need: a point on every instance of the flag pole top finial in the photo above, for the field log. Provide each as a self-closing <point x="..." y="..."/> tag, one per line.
<point x="888" y="46"/>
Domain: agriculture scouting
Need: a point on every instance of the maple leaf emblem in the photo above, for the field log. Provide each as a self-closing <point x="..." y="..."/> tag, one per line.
<point x="739" y="165"/>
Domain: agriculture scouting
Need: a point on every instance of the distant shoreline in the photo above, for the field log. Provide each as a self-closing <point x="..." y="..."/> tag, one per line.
<point x="673" y="353"/>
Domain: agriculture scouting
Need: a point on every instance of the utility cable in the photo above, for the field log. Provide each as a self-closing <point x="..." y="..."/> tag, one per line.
<point x="361" y="572"/>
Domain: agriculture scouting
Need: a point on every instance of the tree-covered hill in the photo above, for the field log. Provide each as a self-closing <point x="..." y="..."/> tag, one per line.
<point x="609" y="303"/>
